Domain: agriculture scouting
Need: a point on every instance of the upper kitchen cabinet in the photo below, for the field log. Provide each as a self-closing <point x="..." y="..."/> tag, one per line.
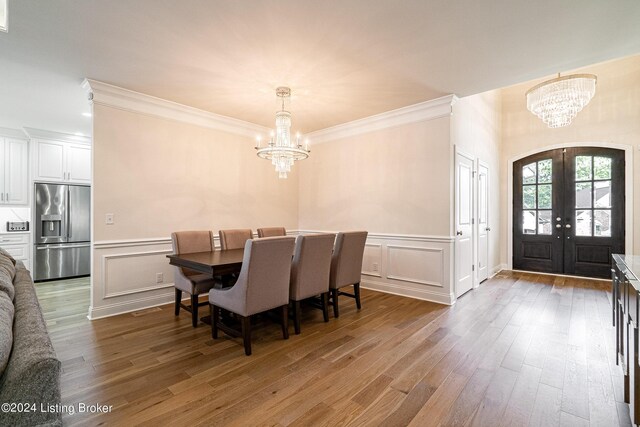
<point x="60" y="157"/>
<point x="14" y="175"/>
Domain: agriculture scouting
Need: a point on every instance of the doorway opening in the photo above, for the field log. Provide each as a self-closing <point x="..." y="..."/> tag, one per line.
<point x="569" y="211"/>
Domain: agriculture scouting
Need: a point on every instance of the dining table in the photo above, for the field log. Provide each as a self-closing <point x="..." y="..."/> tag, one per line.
<point x="214" y="263"/>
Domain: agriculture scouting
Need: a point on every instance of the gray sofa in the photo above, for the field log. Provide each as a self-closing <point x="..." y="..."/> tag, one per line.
<point x="29" y="369"/>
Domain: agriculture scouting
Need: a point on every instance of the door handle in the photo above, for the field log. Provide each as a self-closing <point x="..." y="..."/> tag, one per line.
<point x="487" y="229"/>
<point x="567" y="225"/>
<point x="459" y="233"/>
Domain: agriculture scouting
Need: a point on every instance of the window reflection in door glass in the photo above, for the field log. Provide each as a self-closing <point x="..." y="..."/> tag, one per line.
<point x="544" y="222"/>
<point x="544" y="196"/>
<point x="602" y="222"/>
<point x="529" y="174"/>
<point x="602" y="194"/>
<point x="583" y="194"/>
<point x="601" y="168"/>
<point x="583" y="222"/>
<point x="544" y="171"/>
<point x="529" y="222"/>
<point x="529" y="197"/>
<point x="583" y="168"/>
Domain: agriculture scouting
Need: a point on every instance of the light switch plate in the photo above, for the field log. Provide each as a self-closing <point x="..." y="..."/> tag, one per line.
<point x="108" y="219"/>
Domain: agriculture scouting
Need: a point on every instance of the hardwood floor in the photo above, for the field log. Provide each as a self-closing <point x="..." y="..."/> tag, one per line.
<point x="522" y="349"/>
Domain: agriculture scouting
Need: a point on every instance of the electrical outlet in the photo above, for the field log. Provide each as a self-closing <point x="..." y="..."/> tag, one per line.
<point x="159" y="277"/>
<point x="375" y="266"/>
<point x="108" y="219"/>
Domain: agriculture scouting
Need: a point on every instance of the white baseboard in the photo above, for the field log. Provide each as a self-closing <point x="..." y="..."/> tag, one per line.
<point x="497" y="269"/>
<point x="411" y="292"/>
<point x="131" y="305"/>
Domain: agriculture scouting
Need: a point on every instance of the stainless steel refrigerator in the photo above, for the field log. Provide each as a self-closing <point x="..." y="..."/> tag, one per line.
<point x="62" y="245"/>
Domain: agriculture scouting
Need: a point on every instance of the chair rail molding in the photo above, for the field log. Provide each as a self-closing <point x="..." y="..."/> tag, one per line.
<point x="128" y="100"/>
<point x="428" y="110"/>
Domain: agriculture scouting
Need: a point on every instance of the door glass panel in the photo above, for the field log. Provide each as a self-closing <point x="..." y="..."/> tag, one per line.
<point x="529" y="197"/>
<point x="602" y="222"/>
<point x="583" y="223"/>
<point x="544" y="171"/>
<point x="602" y="194"/>
<point x="583" y="168"/>
<point x="602" y="168"/>
<point x="583" y="194"/>
<point x="529" y="222"/>
<point x="529" y="174"/>
<point x="544" y="222"/>
<point x="544" y="196"/>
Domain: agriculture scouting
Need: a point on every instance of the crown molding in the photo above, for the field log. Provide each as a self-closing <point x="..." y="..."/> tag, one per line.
<point x="13" y="133"/>
<point x="124" y="99"/>
<point x="428" y="110"/>
<point x="56" y="136"/>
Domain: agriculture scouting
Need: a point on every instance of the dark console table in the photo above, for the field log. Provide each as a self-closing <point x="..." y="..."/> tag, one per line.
<point x="625" y="290"/>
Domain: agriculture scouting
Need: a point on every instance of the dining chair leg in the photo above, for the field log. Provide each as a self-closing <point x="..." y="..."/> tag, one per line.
<point x="296" y="316"/>
<point x="334" y="299"/>
<point x="356" y="291"/>
<point x="214" y="320"/>
<point x="325" y="306"/>
<point x="194" y="310"/>
<point x="178" y="300"/>
<point x="246" y="334"/>
<point x="285" y="320"/>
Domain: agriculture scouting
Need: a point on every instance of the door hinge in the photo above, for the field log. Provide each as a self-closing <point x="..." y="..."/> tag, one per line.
<point x="473" y="267"/>
<point x="473" y="221"/>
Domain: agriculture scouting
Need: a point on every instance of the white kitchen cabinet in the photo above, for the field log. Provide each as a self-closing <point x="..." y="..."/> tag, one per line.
<point x="17" y="245"/>
<point x="62" y="162"/>
<point x="14" y="175"/>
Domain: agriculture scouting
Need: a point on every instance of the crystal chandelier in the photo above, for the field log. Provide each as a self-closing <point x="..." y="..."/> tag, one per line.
<point x="558" y="101"/>
<point x="281" y="149"/>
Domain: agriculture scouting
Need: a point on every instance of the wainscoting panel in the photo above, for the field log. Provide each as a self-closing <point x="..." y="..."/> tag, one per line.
<point x="408" y="265"/>
<point x="125" y="276"/>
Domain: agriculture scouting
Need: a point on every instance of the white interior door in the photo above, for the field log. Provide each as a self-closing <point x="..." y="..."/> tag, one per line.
<point x="483" y="222"/>
<point x="464" y="223"/>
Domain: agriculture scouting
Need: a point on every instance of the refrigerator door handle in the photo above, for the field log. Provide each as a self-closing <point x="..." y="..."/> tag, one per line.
<point x="67" y="219"/>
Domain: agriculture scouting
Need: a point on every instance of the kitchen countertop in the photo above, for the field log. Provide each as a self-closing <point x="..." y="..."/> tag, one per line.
<point x="9" y="233"/>
<point x="632" y="264"/>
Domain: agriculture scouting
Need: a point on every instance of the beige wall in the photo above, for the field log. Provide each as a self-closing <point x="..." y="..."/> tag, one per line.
<point x="392" y="181"/>
<point x="157" y="176"/>
<point x="476" y="130"/>
<point x="613" y="116"/>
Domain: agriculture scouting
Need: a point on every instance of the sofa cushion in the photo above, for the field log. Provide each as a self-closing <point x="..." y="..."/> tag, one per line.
<point x="33" y="371"/>
<point x="6" y="329"/>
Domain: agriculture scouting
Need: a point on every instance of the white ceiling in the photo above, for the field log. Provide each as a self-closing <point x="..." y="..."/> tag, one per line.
<point x="343" y="60"/>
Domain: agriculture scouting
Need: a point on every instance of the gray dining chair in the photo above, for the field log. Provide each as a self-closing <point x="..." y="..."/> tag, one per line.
<point x="346" y="266"/>
<point x="234" y="239"/>
<point x="310" y="273"/>
<point x="262" y="285"/>
<point x="190" y="281"/>
<point x="272" y="231"/>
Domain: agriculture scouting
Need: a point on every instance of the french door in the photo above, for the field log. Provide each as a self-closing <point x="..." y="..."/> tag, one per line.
<point x="568" y="211"/>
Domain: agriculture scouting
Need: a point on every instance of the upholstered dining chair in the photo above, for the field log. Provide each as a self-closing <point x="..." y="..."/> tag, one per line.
<point x="346" y="266"/>
<point x="190" y="281"/>
<point x="310" y="272"/>
<point x="272" y="231"/>
<point x="263" y="284"/>
<point x="234" y="239"/>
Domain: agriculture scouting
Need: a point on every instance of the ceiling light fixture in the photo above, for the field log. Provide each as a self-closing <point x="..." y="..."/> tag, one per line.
<point x="281" y="149"/>
<point x="557" y="101"/>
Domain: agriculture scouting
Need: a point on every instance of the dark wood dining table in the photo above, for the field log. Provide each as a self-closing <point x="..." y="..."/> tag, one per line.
<point x="214" y="263"/>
